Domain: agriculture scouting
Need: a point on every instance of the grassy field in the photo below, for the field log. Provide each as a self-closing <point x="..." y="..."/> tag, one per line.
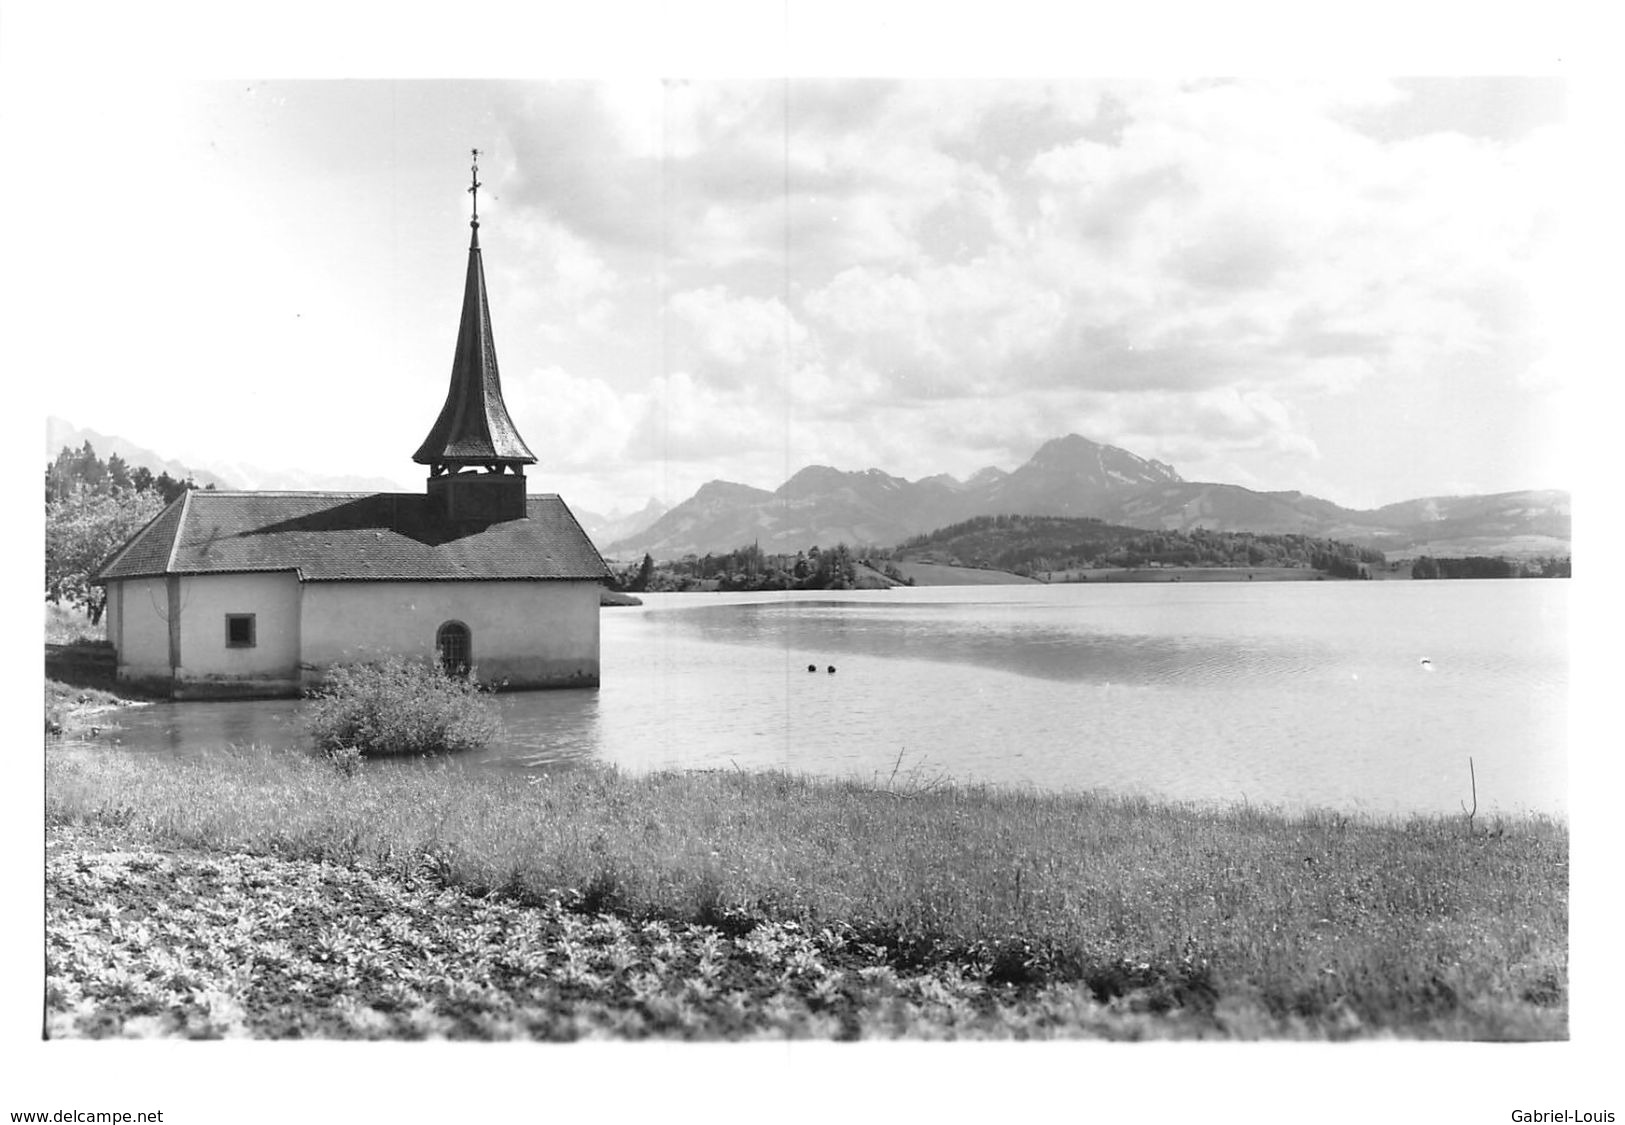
<point x="792" y="906"/>
<point x="937" y="574"/>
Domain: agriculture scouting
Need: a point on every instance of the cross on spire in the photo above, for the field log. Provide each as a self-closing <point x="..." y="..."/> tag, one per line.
<point x="474" y="190"/>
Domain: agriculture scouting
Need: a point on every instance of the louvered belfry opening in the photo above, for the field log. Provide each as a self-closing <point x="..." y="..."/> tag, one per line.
<point x="475" y="455"/>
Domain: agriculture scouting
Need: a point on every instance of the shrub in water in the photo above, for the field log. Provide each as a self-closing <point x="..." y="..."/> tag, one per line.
<point x="399" y="706"/>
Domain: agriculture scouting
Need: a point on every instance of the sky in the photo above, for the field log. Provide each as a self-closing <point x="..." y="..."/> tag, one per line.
<point x="1338" y="285"/>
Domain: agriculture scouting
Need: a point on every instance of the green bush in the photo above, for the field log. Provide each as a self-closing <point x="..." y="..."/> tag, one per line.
<point x="399" y="706"/>
<point x="56" y="714"/>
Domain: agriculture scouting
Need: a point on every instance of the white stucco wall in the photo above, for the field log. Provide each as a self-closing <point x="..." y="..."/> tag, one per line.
<point x="110" y="615"/>
<point x="273" y="599"/>
<point x="141" y="631"/>
<point x="529" y="634"/>
<point x="138" y="626"/>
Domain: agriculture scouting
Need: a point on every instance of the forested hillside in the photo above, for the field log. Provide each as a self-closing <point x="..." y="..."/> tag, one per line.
<point x="1041" y="544"/>
<point x="750" y="568"/>
<point x="1480" y="566"/>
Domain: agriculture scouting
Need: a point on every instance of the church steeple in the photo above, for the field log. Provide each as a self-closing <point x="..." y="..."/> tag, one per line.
<point x="474" y="430"/>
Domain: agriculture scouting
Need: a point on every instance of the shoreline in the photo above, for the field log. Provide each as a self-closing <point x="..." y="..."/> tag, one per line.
<point x="69" y="707"/>
<point x="929" y="574"/>
<point x="1198" y="574"/>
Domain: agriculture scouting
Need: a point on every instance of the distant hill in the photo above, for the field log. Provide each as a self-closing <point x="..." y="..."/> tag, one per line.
<point x="823" y="505"/>
<point x="721" y="513"/>
<point x="1504" y="523"/>
<point x="603" y="530"/>
<point x="1516" y="523"/>
<point x="1034" y="544"/>
<point x="1073" y="476"/>
<point x="228" y="475"/>
<point x="1070" y="476"/>
<point x="60" y="433"/>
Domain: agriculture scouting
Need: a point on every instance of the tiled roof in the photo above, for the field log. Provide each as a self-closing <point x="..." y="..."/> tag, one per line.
<point x="336" y="536"/>
<point x="147" y="551"/>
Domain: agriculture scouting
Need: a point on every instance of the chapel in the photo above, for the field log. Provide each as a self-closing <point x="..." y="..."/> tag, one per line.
<point x="235" y="594"/>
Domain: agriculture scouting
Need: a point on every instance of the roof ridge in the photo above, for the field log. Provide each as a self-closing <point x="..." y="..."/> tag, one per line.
<point x="577" y="523"/>
<point x="180" y="530"/>
<point x="213" y="492"/>
<point x="129" y="544"/>
<point x="301" y="492"/>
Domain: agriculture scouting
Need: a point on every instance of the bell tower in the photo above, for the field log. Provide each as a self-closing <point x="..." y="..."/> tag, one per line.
<point x="475" y="455"/>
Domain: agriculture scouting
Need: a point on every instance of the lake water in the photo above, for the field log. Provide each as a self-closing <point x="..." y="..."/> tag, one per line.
<point x="1293" y="694"/>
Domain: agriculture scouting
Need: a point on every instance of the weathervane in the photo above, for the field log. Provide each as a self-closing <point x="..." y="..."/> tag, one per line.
<point x="475" y="189"/>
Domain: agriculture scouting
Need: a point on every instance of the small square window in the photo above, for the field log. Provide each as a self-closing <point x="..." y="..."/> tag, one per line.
<point x="239" y="630"/>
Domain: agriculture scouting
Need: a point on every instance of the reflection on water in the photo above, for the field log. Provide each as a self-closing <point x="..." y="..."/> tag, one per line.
<point x="1037" y="639"/>
<point x="1300" y="694"/>
<point x="186" y="729"/>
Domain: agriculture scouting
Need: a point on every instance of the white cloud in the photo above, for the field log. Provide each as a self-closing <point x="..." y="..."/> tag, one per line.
<point x="556" y="280"/>
<point x="736" y="339"/>
<point x="726" y="276"/>
<point x="682" y="419"/>
<point x="571" y="422"/>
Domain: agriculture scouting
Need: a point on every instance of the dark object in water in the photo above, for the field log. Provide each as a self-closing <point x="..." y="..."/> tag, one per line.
<point x="812" y="667"/>
<point x="832" y="669"/>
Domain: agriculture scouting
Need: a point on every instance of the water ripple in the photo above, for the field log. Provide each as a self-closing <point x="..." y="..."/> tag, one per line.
<point x="1306" y="694"/>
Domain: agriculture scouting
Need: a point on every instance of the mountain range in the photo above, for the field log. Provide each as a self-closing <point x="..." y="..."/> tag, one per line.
<point x="230" y="475"/>
<point x="617" y="524"/>
<point x="1073" y="476"/>
<point x="1068" y="476"/>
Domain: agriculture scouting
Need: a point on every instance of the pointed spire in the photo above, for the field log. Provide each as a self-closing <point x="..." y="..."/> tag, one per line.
<point x="474" y="428"/>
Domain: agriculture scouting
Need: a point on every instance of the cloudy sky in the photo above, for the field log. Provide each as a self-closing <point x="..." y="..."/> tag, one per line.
<point x="1340" y="286"/>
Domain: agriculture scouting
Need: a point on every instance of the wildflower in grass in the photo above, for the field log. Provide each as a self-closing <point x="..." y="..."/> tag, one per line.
<point x="878" y="976"/>
<point x="644" y="987"/>
<point x="826" y="990"/>
<point x="620" y="956"/>
<point x="802" y="961"/>
<point x="573" y="969"/>
<point x="347" y="760"/>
